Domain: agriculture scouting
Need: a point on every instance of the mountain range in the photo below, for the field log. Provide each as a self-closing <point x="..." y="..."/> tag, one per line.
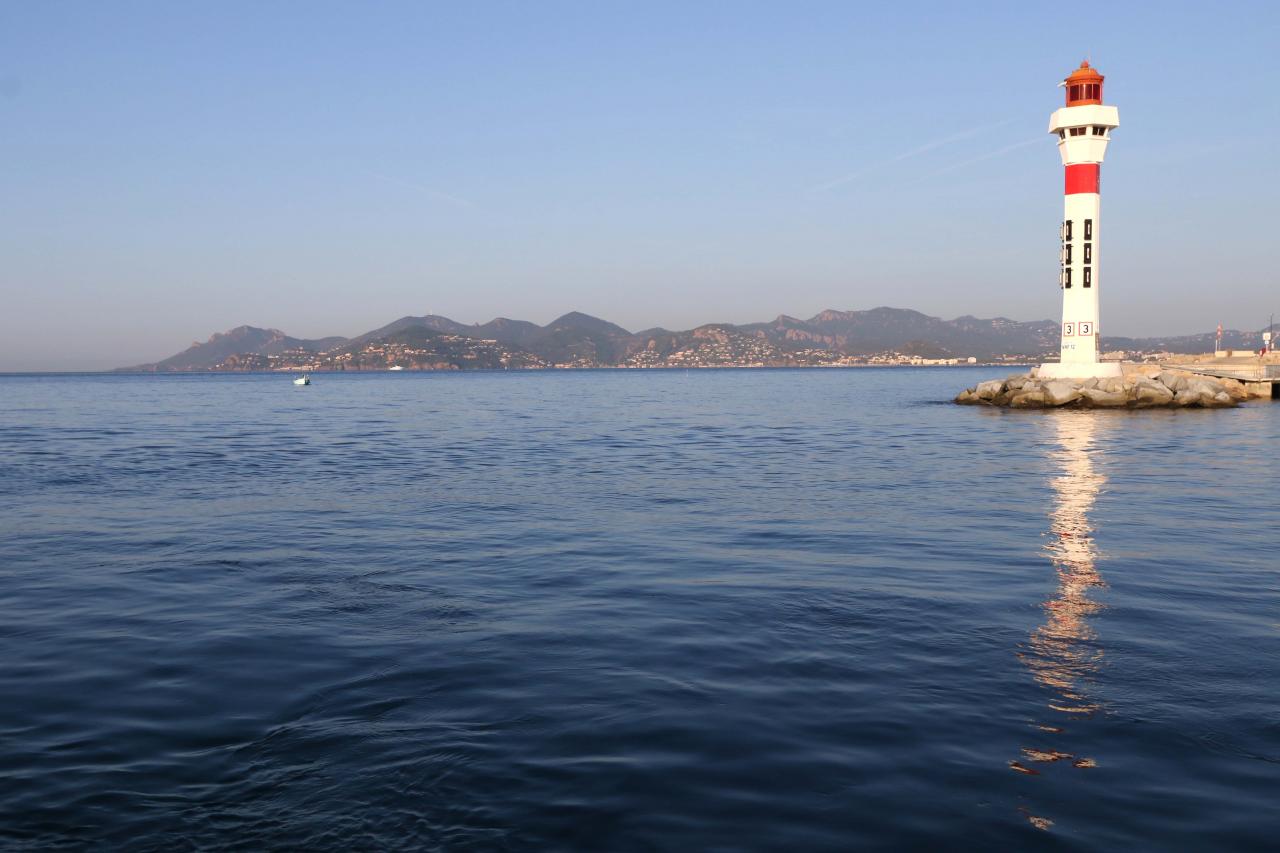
<point x="581" y="340"/>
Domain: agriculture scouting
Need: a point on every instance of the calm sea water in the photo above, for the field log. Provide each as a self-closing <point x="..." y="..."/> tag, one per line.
<point x="631" y="611"/>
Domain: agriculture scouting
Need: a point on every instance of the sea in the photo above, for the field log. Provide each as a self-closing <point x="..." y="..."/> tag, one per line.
<point x="631" y="610"/>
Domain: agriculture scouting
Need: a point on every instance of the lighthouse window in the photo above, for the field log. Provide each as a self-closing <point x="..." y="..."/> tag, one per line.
<point x="1066" y="277"/>
<point x="1088" y="253"/>
<point x="1088" y="229"/>
<point x="1075" y="93"/>
<point x="1088" y="277"/>
<point x="1066" y="258"/>
<point x="1066" y="229"/>
<point x="1062" y="134"/>
<point x="1098" y="130"/>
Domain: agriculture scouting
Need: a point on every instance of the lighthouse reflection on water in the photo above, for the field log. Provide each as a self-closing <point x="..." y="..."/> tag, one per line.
<point x="1062" y="653"/>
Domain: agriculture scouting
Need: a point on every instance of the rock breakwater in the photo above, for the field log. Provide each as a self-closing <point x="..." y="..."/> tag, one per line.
<point x="1134" y="390"/>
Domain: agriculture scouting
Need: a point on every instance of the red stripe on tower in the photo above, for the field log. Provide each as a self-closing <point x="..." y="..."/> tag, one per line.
<point x="1083" y="178"/>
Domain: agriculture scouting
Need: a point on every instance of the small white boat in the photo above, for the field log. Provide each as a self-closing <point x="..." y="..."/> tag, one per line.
<point x="396" y="367"/>
<point x="302" y="380"/>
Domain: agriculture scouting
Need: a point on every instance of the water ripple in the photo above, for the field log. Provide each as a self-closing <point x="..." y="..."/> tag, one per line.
<point x="629" y="610"/>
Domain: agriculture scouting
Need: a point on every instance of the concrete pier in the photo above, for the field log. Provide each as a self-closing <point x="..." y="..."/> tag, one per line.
<point x="1261" y="376"/>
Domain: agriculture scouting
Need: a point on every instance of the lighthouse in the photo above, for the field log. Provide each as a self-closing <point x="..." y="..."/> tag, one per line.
<point x="1083" y="128"/>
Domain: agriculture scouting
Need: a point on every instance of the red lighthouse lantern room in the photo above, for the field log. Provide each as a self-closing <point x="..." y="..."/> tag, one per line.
<point x="1084" y="86"/>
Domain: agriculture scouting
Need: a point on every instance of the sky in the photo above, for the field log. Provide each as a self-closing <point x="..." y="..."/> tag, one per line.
<point x="170" y="170"/>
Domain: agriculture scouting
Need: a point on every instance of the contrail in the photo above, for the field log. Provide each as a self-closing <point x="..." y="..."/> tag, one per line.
<point x="914" y="152"/>
<point x="997" y="153"/>
<point x="431" y="191"/>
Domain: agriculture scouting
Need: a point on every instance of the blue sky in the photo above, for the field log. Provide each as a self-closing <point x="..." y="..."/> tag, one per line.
<point x="168" y="170"/>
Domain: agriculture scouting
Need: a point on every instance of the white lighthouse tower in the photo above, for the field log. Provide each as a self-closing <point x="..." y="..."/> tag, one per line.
<point x="1084" y="128"/>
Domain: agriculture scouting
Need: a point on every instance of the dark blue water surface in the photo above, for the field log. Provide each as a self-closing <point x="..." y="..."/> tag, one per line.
<point x="628" y="611"/>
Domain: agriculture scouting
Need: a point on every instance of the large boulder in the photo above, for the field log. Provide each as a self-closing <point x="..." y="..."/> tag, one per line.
<point x="1173" y="381"/>
<point x="1188" y="397"/>
<point x="1147" y="392"/>
<point x="1027" y="400"/>
<point x="1205" y="386"/>
<point x="989" y="390"/>
<point x="1059" y="392"/>
<point x="1101" y="398"/>
<point x="1234" y="388"/>
<point x="1214" y="393"/>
